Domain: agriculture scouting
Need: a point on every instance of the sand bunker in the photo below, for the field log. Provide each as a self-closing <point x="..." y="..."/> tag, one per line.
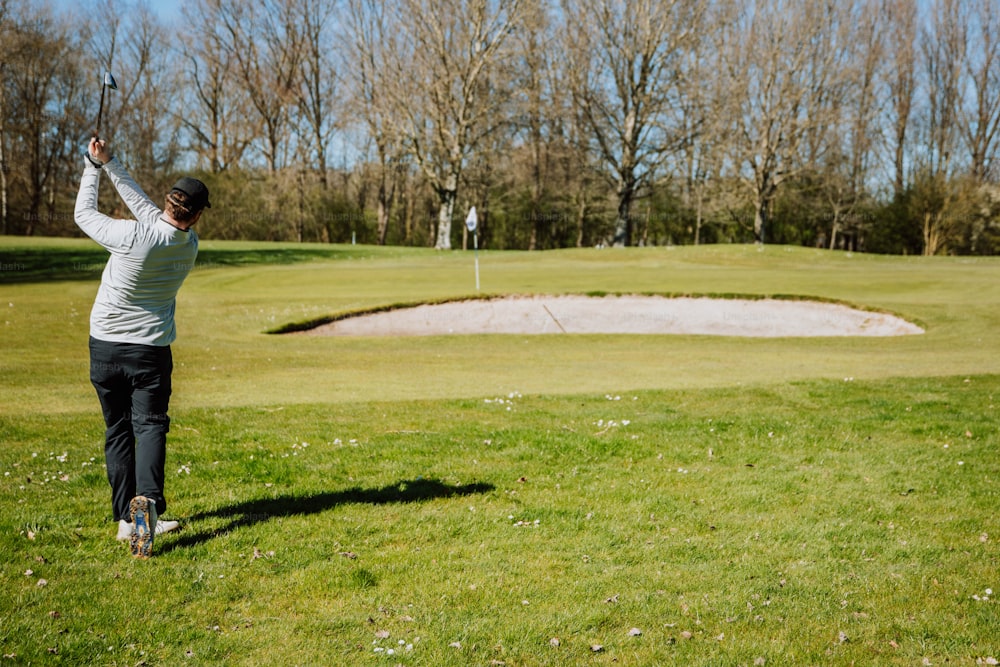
<point x="623" y="315"/>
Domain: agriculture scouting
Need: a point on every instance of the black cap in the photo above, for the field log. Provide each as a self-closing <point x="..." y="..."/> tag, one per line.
<point x="195" y="190"/>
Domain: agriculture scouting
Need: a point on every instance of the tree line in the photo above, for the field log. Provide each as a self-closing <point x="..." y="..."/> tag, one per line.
<point x="870" y="125"/>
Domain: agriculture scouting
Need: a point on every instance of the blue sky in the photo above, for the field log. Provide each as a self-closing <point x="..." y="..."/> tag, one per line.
<point x="167" y="10"/>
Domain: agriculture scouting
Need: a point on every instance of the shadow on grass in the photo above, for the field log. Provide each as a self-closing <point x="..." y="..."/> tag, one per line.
<point x="24" y="265"/>
<point x="252" y="512"/>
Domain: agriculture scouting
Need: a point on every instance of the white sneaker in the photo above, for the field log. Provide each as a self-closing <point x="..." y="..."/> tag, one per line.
<point x="126" y="528"/>
<point x="163" y="526"/>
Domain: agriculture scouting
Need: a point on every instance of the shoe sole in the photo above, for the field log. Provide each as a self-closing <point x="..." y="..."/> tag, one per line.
<point x="141" y="542"/>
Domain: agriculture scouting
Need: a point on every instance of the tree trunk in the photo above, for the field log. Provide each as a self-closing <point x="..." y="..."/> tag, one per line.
<point x="447" y="194"/>
<point x="445" y="211"/>
<point x="760" y="217"/>
<point x="699" y="199"/>
<point x="383" y="215"/>
<point x="623" y="223"/>
<point x="3" y="168"/>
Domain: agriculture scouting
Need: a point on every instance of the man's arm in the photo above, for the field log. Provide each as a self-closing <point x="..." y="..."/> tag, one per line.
<point x="142" y="207"/>
<point x="107" y="231"/>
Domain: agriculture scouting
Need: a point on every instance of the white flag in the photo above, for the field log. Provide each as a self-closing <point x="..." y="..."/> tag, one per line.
<point x="471" y="221"/>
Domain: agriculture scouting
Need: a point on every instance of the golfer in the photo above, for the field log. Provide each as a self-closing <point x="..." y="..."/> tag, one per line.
<point x="131" y="329"/>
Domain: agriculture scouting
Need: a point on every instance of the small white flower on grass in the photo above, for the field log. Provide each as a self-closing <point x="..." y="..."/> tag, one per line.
<point x="42" y="583"/>
<point x="634" y="632"/>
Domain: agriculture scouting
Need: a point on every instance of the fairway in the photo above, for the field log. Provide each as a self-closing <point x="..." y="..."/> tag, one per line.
<point x="512" y="499"/>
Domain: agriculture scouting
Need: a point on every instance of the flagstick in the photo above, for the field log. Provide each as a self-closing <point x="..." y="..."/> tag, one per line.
<point x="475" y="245"/>
<point x="472" y="224"/>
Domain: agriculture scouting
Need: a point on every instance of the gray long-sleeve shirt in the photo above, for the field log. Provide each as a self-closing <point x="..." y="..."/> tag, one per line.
<point x="150" y="258"/>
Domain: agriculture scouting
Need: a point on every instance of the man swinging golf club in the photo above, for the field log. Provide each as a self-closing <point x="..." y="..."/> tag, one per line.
<point x="131" y="329"/>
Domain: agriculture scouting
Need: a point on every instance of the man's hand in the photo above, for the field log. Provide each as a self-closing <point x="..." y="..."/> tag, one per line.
<point x="98" y="150"/>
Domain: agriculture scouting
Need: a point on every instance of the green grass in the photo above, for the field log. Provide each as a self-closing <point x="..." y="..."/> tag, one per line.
<point x="738" y="502"/>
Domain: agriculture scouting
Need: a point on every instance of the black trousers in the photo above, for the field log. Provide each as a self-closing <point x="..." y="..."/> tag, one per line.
<point x="133" y="385"/>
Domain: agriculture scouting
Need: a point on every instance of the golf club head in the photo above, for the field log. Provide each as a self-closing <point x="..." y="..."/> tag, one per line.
<point x="109" y="82"/>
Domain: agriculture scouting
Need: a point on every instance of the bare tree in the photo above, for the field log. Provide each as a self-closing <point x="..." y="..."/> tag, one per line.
<point x="980" y="113"/>
<point x="944" y="46"/>
<point x="217" y="112"/>
<point x="264" y="40"/>
<point x="625" y="58"/>
<point x="143" y="133"/>
<point x="366" y="67"/>
<point x="317" y="90"/>
<point x="536" y="108"/>
<point x="934" y="198"/>
<point x="901" y="36"/>
<point x="443" y="53"/>
<point x="704" y="130"/>
<point x="7" y="53"/>
<point x="775" y="64"/>
<point x="35" y="94"/>
<point x="845" y="172"/>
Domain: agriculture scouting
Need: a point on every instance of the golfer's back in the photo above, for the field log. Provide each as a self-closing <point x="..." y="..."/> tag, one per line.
<point x="137" y="297"/>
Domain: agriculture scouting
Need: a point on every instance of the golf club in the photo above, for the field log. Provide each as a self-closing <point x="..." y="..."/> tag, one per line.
<point x="109" y="82"/>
